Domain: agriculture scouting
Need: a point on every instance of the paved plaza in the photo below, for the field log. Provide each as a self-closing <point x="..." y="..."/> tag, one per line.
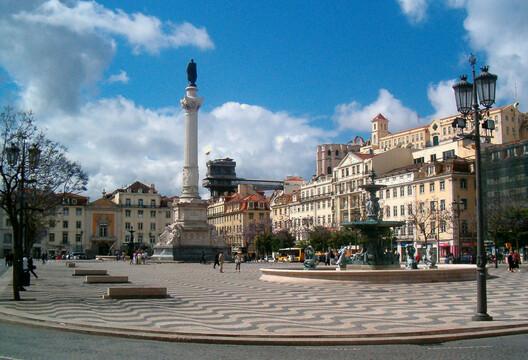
<point x="207" y="305"/>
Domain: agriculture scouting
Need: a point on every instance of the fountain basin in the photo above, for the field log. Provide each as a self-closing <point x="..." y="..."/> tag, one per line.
<point x="444" y="273"/>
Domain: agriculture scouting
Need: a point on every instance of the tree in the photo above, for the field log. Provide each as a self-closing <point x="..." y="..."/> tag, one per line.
<point x="319" y="238"/>
<point x="345" y="236"/>
<point x="282" y="239"/>
<point x="35" y="173"/>
<point x="422" y="216"/>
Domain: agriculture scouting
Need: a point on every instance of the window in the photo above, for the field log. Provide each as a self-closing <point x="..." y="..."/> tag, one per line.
<point x="140" y="202"/>
<point x="463" y="183"/>
<point x="442" y="185"/>
<point x="387" y="194"/>
<point x="78" y="211"/>
<point x="51" y="223"/>
<point x="127" y="213"/>
<point x="65" y="211"/>
<point x="419" y="160"/>
<point x="448" y="154"/>
<point x="261" y="216"/>
<point x="103" y="230"/>
<point x="464" y="204"/>
<point x="51" y="237"/>
<point x="140" y="226"/>
<point x="140" y="213"/>
<point x="64" y="237"/>
<point x="140" y="238"/>
<point x="402" y="210"/>
<point x="432" y="205"/>
<point x="402" y="191"/>
<point x="409" y="190"/>
<point x="127" y="226"/>
<point x="78" y="238"/>
<point x="65" y="224"/>
<point x="433" y="157"/>
<point x="464" y="227"/>
<point x="78" y="224"/>
<point x="387" y="211"/>
<point x="410" y="230"/>
<point x="329" y="170"/>
<point x="152" y="239"/>
<point x="395" y="211"/>
<point x="422" y="188"/>
<point x="8" y="238"/>
<point x="167" y="214"/>
<point x="152" y="213"/>
<point x="431" y="187"/>
<point x="443" y="226"/>
<point x="128" y="202"/>
<point x="395" y="192"/>
<point x="152" y="226"/>
<point x="409" y="209"/>
<point x="442" y="205"/>
<point x="250" y="216"/>
<point x="433" y="227"/>
<point x="152" y="203"/>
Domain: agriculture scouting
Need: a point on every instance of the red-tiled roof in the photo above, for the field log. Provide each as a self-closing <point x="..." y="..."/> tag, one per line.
<point x="379" y="117"/>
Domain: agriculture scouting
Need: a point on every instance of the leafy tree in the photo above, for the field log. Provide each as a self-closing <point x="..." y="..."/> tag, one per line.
<point x="319" y="238"/>
<point x="35" y="173"/>
<point x="282" y="239"/>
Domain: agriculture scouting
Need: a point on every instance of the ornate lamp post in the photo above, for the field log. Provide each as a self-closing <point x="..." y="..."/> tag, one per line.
<point x="468" y="104"/>
<point x="131" y="243"/>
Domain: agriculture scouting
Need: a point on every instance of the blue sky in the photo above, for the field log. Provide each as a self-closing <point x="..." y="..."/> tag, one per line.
<point x="278" y="77"/>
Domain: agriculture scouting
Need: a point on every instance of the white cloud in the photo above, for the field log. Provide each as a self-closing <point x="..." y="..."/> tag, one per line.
<point x="142" y="31"/>
<point x="357" y="117"/>
<point x="415" y="10"/>
<point x="57" y="53"/>
<point x="442" y="97"/>
<point x="118" y="141"/>
<point x="499" y="29"/>
<point x="121" y="77"/>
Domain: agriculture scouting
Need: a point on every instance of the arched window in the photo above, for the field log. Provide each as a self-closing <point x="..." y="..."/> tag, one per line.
<point x="329" y="170"/>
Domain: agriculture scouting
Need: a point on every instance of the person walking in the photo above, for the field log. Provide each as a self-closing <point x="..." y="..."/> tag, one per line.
<point x="202" y="260"/>
<point x="216" y="260"/>
<point x="221" y="262"/>
<point x="327" y="258"/>
<point x="509" y="260"/>
<point x="238" y="261"/>
<point x="32" y="267"/>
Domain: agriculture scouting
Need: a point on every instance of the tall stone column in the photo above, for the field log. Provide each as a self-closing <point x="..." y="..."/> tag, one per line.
<point x="191" y="104"/>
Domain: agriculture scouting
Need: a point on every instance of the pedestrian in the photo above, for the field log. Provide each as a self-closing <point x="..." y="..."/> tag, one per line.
<point x="516" y="260"/>
<point x="418" y="257"/>
<point x="221" y="261"/>
<point x="216" y="260"/>
<point x="327" y="258"/>
<point x="32" y="267"/>
<point x="26" y="281"/>
<point x="202" y="260"/>
<point x="238" y="261"/>
<point x="510" y="260"/>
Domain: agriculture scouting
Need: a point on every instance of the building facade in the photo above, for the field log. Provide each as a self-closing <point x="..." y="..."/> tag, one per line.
<point x="238" y="218"/>
<point x="102" y="226"/>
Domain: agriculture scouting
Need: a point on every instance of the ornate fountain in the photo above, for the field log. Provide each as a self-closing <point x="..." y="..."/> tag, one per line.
<point x="374" y="254"/>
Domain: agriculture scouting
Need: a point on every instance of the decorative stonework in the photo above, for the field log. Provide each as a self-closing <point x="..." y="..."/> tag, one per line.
<point x="191" y="104"/>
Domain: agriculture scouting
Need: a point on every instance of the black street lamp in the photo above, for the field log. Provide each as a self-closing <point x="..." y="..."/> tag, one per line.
<point x="131" y="243"/>
<point x="467" y="101"/>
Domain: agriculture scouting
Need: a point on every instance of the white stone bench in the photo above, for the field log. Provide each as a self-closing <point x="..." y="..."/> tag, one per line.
<point x="84" y="272"/>
<point x="136" y="293"/>
<point x="94" y="279"/>
<point x="70" y="264"/>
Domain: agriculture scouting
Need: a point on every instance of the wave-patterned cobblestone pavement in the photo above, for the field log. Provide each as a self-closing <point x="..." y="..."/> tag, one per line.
<point x="202" y="300"/>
